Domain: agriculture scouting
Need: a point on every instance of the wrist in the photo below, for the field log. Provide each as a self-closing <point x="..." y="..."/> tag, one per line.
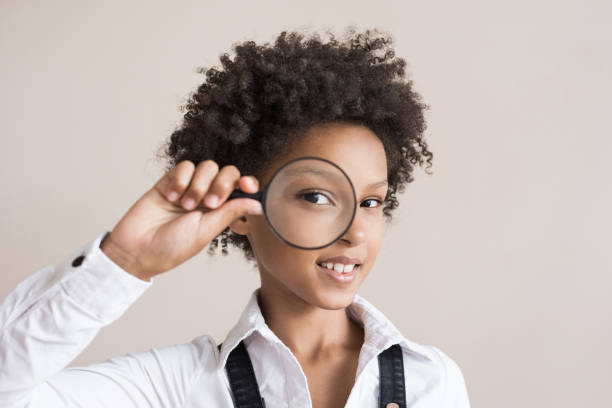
<point x="122" y="259"/>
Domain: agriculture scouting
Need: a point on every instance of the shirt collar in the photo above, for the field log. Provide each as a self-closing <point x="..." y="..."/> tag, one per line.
<point x="380" y="333"/>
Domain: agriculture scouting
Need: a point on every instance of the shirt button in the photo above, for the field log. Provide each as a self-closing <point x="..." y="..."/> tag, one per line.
<point x="78" y="261"/>
<point x="392" y="405"/>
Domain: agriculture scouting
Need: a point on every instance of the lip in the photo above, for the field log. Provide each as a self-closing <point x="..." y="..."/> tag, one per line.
<point x="342" y="278"/>
<point x="343" y="260"/>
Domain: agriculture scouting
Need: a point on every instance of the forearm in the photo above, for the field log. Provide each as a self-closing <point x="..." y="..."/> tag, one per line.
<point x="49" y="318"/>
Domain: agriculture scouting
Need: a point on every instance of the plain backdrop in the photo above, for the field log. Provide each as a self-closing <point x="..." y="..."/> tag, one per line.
<point x="501" y="257"/>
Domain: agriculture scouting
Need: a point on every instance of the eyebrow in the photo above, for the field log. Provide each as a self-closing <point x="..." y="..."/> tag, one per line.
<point x="378" y="184"/>
<point x="312" y="170"/>
<point x="315" y="171"/>
<point x="323" y="173"/>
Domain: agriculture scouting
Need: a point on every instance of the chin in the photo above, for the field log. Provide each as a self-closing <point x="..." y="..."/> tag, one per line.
<point x="334" y="300"/>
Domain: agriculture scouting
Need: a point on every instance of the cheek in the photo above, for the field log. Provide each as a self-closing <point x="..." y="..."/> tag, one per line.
<point x="375" y="224"/>
<point x="375" y="236"/>
<point x="262" y="239"/>
<point x="277" y="257"/>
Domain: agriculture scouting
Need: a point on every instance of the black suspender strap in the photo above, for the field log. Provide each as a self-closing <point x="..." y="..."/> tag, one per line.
<point x="246" y="391"/>
<point x="392" y="386"/>
<point x="242" y="379"/>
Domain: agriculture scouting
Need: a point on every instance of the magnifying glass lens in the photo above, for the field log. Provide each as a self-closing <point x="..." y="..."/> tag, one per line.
<point x="310" y="203"/>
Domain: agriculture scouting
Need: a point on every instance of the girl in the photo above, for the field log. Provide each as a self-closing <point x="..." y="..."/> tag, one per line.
<point x="305" y="338"/>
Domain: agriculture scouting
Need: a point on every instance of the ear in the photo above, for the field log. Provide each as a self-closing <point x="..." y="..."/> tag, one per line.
<point x="240" y="225"/>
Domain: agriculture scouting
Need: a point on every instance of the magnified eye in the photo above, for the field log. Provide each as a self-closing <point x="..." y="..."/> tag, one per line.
<point x="316" y="197"/>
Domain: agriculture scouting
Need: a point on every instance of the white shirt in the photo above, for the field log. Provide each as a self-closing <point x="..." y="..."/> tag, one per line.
<point x="50" y="317"/>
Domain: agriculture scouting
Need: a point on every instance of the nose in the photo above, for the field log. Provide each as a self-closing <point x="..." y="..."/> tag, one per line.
<point x="356" y="234"/>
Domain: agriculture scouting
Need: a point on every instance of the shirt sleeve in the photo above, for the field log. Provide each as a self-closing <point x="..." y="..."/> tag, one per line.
<point x="50" y="317"/>
<point x="456" y="395"/>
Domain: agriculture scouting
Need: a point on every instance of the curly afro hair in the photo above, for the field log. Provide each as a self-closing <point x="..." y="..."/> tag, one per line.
<point x="249" y="111"/>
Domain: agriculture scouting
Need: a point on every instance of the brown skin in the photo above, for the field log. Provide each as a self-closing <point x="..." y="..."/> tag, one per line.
<point x="159" y="233"/>
<point x="300" y="304"/>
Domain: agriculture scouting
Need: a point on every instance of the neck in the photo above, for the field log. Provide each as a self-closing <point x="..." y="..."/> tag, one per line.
<point x="311" y="332"/>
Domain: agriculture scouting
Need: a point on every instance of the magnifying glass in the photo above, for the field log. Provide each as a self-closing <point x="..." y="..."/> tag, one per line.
<point x="309" y="203"/>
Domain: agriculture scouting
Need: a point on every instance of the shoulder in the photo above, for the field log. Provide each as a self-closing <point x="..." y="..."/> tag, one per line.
<point x="443" y="370"/>
<point x="204" y="350"/>
<point x="452" y="372"/>
<point x="185" y="360"/>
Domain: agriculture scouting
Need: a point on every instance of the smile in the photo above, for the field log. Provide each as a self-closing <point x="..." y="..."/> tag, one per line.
<point x="336" y="275"/>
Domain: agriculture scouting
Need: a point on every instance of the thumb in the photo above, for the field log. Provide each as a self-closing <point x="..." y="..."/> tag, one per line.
<point x="231" y="210"/>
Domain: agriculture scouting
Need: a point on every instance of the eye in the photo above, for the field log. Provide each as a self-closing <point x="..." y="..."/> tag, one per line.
<point x="370" y="200"/>
<point x="316" y="197"/>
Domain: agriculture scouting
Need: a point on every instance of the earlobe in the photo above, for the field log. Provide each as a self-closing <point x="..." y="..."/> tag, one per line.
<point x="240" y="226"/>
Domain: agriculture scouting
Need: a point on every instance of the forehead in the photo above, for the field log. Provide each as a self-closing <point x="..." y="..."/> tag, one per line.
<point x="356" y="149"/>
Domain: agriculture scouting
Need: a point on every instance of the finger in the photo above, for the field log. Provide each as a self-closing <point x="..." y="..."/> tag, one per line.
<point x="228" y="213"/>
<point x="249" y="184"/>
<point x="226" y="181"/>
<point x="205" y="173"/>
<point x="172" y="184"/>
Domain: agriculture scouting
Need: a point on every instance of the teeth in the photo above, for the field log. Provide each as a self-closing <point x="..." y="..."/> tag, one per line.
<point x="338" y="267"/>
<point x="348" y="268"/>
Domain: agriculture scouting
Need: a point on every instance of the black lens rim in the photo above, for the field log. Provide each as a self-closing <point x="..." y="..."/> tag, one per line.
<point x="265" y="195"/>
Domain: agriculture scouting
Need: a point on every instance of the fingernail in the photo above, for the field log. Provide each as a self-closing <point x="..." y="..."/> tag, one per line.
<point x="188" y="203"/>
<point x="172" y="196"/>
<point x="211" y="200"/>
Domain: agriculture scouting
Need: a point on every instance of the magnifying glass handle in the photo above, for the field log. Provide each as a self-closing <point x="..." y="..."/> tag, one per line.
<point x="241" y="194"/>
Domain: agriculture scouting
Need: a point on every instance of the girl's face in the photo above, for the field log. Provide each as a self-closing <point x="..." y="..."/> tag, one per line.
<point x="288" y="271"/>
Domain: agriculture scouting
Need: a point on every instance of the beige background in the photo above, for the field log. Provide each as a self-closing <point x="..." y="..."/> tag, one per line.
<point x="504" y="251"/>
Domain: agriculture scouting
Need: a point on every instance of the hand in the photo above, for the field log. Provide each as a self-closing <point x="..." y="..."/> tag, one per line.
<point x="170" y="224"/>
